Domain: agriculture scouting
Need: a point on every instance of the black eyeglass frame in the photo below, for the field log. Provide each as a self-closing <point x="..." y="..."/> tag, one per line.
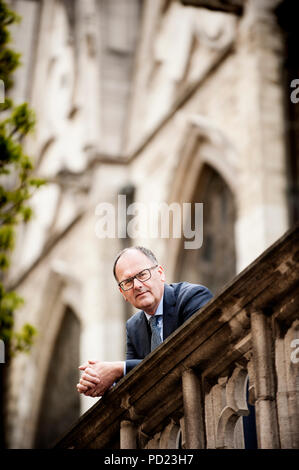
<point x="136" y="277"/>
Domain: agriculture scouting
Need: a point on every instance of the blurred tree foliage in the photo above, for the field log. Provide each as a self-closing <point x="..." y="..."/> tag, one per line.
<point x="16" y="185"/>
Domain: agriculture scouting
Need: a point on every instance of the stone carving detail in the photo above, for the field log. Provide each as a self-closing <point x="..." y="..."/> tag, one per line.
<point x="200" y="36"/>
<point x="167" y="439"/>
<point x="229" y="433"/>
<point x="215" y="31"/>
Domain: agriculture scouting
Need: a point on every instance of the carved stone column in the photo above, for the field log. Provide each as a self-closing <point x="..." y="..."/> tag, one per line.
<point x="127" y="435"/>
<point x="265" y="387"/>
<point x="193" y="413"/>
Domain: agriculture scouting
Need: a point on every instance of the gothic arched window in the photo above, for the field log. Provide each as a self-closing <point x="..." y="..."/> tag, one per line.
<point x="214" y="264"/>
<point x="60" y="405"/>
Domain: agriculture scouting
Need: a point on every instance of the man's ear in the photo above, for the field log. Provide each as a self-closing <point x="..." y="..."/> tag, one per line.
<point x="162" y="273"/>
<point x="122" y="293"/>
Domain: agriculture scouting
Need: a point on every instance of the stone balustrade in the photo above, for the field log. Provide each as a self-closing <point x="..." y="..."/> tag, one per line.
<point x="228" y="6"/>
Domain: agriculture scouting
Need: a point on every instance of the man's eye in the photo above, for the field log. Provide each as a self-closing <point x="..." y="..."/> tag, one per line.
<point x="142" y="275"/>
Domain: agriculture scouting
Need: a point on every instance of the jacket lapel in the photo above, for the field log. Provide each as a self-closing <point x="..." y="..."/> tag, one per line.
<point x="170" y="320"/>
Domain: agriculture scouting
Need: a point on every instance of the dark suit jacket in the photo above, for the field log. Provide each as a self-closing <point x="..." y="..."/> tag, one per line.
<point x="180" y="301"/>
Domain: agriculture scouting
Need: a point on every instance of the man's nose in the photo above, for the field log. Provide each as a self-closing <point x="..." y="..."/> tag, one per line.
<point x="137" y="283"/>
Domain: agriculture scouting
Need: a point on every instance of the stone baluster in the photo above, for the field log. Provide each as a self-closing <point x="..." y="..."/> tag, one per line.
<point x="128" y="435"/>
<point x="193" y="406"/>
<point x="265" y="393"/>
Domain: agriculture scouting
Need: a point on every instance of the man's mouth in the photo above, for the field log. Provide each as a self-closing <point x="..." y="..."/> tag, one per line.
<point x="141" y="293"/>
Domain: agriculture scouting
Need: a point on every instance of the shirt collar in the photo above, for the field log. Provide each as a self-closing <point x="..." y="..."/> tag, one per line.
<point x="159" y="310"/>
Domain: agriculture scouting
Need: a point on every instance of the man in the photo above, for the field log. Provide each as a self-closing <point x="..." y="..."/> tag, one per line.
<point x="162" y="309"/>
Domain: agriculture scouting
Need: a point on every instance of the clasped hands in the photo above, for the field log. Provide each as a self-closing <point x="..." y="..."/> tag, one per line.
<point x="98" y="377"/>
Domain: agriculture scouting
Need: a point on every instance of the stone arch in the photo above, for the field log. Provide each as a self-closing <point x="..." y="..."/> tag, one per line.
<point x="226" y="427"/>
<point x="236" y="428"/>
<point x="169" y="436"/>
<point x="179" y="440"/>
<point x="205" y="154"/>
<point x="236" y="391"/>
<point x="214" y="263"/>
<point x="60" y="403"/>
<point x="230" y="425"/>
<point x="202" y="143"/>
<point x="60" y="298"/>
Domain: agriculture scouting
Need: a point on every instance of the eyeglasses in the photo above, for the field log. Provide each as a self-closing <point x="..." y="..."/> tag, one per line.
<point x="143" y="276"/>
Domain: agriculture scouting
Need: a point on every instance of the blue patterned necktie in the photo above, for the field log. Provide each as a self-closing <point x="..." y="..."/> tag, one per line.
<point x="156" y="338"/>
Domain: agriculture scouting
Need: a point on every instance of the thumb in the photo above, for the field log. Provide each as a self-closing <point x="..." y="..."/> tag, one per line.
<point x="83" y="366"/>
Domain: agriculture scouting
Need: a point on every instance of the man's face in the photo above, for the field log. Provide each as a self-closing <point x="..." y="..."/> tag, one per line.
<point x="143" y="295"/>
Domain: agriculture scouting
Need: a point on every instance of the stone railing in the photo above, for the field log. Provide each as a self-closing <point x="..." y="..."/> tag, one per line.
<point x="228" y="6"/>
<point x="233" y="360"/>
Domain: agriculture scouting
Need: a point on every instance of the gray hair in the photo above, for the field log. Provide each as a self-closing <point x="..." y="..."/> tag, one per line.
<point x="150" y="255"/>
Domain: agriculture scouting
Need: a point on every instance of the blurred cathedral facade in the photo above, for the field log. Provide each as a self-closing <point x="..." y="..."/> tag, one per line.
<point x="161" y="101"/>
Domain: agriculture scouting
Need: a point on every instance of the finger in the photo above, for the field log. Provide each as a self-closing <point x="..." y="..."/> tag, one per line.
<point x="81" y="388"/>
<point x="86" y="364"/>
<point x="91" y="378"/>
<point x="86" y="383"/>
<point x="92" y="372"/>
